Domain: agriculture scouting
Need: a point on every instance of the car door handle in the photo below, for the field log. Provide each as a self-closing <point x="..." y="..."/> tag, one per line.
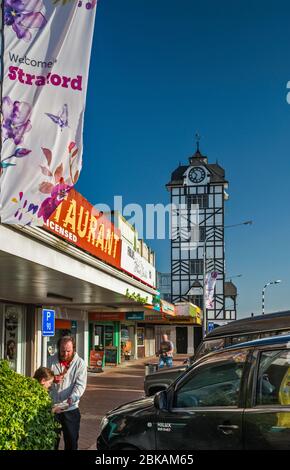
<point x="227" y="429"/>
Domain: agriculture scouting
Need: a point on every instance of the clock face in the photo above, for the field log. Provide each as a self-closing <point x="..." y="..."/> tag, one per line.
<point x="196" y="175"/>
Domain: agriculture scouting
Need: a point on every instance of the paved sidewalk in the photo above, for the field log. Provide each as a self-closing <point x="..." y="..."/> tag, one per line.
<point x="109" y="389"/>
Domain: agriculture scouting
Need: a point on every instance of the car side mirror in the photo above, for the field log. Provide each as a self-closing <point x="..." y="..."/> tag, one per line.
<point x="160" y="400"/>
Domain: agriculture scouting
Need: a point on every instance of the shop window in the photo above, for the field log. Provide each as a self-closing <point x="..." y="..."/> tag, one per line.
<point x="126" y="343"/>
<point x="140" y="336"/>
<point x="99" y="337"/>
<point x="111" y="351"/>
<point x="13" y="341"/>
<point x="109" y="336"/>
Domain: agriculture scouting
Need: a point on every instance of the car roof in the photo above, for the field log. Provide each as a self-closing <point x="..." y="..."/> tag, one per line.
<point x="271" y="340"/>
<point x="280" y="339"/>
<point x="268" y="322"/>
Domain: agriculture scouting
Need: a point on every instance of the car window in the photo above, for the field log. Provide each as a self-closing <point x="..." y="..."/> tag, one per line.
<point x="268" y="334"/>
<point x="214" y="383"/>
<point x="209" y="346"/>
<point x="273" y="382"/>
<point x="283" y="332"/>
<point x="239" y="339"/>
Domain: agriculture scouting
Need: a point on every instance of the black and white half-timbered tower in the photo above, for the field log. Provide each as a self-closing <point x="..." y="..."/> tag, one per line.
<point x="203" y="185"/>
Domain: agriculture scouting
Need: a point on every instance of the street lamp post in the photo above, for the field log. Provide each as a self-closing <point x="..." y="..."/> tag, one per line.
<point x="263" y="293"/>
<point x="233" y="277"/>
<point x="247" y="222"/>
<point x="204" y="320"/>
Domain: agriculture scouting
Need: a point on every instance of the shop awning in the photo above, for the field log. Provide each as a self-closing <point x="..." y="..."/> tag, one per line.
<point x="189" y="310"/>
<point x="162" y="307"/>
<point x="167" y="308"/>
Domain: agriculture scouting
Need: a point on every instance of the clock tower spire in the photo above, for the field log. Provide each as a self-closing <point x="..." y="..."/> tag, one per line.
<point x="197" y="139"/>
<point x="197" y="157"/>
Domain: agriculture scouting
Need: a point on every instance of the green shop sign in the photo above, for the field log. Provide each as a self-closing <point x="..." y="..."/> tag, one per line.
<point x="135" y="316"/>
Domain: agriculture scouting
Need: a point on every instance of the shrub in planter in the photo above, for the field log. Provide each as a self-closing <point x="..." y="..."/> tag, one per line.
<point x="26" y="420"/>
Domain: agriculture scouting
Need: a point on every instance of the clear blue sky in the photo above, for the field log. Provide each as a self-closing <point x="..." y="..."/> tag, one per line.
<point x="162" y="69"/>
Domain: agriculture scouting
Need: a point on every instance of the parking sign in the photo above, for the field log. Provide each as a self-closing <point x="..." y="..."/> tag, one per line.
<point x="48" y="322"/>
<point x="210" y="326"/>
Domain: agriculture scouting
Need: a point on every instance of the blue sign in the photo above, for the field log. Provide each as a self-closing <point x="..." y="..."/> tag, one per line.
<point x="210" y="326"/>
<point x="48" y="322"/>
<point x="135" y="316"/>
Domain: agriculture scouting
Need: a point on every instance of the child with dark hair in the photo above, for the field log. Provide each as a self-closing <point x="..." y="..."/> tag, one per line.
<point x="44" y="376"/>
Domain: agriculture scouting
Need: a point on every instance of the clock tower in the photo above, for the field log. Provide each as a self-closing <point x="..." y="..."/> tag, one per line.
<point x="200" y="185"/>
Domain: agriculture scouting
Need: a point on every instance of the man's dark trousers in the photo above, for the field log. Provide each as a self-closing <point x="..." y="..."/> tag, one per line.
<point x="70" y="426"/>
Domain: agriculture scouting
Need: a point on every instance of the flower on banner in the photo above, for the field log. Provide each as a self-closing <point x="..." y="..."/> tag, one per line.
<point x="15" y="119"/>
<point x="73" y="151"/>
<point x="19" y="153"/>
<point x="89" y="5"/>
<point x="24" y="207"/>
<point x="56" y="186"/>
<point x="50" y="204"/>
<point x="24" y="15"/>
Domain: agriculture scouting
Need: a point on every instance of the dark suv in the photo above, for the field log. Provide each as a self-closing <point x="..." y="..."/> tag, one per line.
<point x="236" y="398"/>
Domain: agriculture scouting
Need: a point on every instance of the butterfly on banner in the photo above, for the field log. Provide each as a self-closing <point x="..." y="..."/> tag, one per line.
<point x="61" y="119"/>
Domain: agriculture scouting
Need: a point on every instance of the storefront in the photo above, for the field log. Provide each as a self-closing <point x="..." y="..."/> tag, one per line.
<point x="137" y="340"/>
<point x="155" y="322"/>
<point x="145" y="339"/>
<point x="184" y="328"/>
<point x="104" y="336"/>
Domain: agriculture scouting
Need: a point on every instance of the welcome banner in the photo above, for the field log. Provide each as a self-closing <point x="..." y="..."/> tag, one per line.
<point x="47" y="46"/>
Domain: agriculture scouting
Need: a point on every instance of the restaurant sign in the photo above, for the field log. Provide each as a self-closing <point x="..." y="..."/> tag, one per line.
<point x="78" y="222"/>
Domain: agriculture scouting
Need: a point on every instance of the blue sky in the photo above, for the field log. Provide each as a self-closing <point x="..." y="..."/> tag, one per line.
<point x="163" y="69"/>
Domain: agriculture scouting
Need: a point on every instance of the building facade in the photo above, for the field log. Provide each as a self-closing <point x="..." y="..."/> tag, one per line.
<point x="198" y="195"/>
<point x="164" y="286"/>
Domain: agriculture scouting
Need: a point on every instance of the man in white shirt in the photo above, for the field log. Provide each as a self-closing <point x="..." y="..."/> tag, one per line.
<point x="69" y="385"/>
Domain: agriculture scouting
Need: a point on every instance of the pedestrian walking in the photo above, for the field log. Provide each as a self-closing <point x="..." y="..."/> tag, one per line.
<point x="69" y="385"/>
<point x="165" y="352"/>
